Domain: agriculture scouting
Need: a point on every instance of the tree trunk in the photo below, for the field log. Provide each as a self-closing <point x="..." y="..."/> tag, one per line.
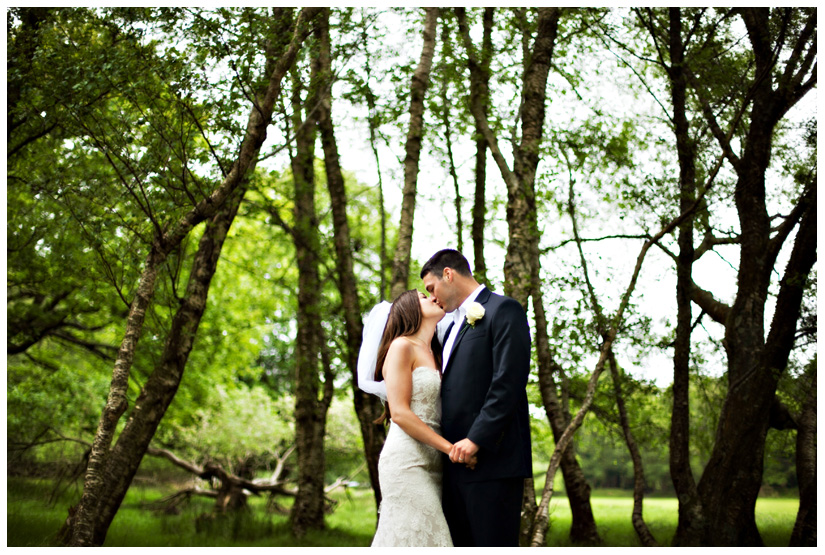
<point x="732" y="478"/>
<point x="445" y="110"/>
<point x="540" y="522"/>
<point x="367" y="407"/>
<point x="418" y="88"/>
<point x="311" y="405"/>
<point x="481" y="95"/>
<point x="645" y="536"/>
<point x="82" y="524"/>
<point x="583" y="526"/>
<point x="373" y="125"/>
<point x="522" y="266"/>
<point x="159" y="390"/>
<point x="804" y="530"/>
<point x="538" y="533"/>
<point x="690" y="508"/>
<point x="723" y="513"/>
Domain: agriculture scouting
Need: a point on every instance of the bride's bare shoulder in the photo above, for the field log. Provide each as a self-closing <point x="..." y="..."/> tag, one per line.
<point x="401" y="346"/>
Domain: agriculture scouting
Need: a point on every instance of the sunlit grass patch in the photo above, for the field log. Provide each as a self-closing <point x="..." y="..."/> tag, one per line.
<point x="774" y="518"/>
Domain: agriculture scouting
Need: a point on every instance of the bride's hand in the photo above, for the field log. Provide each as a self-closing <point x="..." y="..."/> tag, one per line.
<point x="470" y="461"/>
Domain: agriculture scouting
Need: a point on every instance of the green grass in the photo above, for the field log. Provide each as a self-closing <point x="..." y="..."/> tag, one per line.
<point x="31" y="521"/>
<point x="774" y="518"/>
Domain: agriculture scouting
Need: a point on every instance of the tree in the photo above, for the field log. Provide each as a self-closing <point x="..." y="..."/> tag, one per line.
<point x="522" y="265"/>
<point x="804" y="531"/>
<point x="480" y="95"/>
<point x="367" y="407"/>
<point x="719" y="510"/>
<point x="418" y="88"/>
<point x="90" y="518"/>
<point x="673" y="42"/>
<point x="312" y="398"/>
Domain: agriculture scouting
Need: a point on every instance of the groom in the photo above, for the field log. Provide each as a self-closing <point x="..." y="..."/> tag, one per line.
<point x="486" y="362"/>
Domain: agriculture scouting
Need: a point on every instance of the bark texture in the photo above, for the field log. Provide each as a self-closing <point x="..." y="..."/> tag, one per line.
<point x="418" y="89"/>
<point x="719" y="510"/>
<point x="522" y="265"/>
<point x="445" y="110"/>
<point x="481" y="95"/>
<point x="159" y="390"/>
<point x="730" y="483"/>
<point x="804" y="531"/>
<point x="637" y="517"/>
<point x="368" y="408"/>
<point x="312" y="398"/>
<point x="87" y="522"/>
<point x="690" y="506"/>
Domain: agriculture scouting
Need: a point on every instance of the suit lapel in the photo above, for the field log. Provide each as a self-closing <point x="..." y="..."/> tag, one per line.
<point x="483" y="297"/>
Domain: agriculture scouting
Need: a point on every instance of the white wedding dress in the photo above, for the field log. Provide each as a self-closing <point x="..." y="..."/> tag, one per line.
<point x="410" y="476"/>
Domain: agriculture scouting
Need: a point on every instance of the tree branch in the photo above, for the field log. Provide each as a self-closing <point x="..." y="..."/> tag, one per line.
<point x="717" y="310"/>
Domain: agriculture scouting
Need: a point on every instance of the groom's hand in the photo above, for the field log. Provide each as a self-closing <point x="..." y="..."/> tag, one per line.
<point x="464" y="452"/>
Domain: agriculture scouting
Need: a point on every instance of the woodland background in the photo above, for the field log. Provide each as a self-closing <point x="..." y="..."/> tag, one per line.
<point x="203" y="205"/>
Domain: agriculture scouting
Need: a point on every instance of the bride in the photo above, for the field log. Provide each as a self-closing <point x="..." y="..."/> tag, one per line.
<point x="403" y="370"/>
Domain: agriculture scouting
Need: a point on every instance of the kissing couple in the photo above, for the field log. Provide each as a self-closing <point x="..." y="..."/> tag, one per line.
<point x="453" y="465"/>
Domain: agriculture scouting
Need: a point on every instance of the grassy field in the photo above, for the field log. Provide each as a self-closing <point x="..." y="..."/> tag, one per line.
<point x="32" y="521"/>
<point x="774" y="518"/>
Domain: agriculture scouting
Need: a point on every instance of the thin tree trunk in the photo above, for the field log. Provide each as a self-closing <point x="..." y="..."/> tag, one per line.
<point x="161" y="387"/>
<point x="445" y="110"/>
<point x="538" y="534"/>
<point x="690" y="506"/>
<point x="804" y="530"/>
<point x="367" y="407"/>
<point x="373" y="125"/>
<point x="522" y="267"/>
<point x="521" y="212"/>
<point x="540" y="522"/>
<point x="418" y="89"/>
<point x="645" y="536"/>
<point x="583" y="526"/>
<point x="82" y="520"/>
<point x="311" y="404"/>
<point x="481" y="95"/>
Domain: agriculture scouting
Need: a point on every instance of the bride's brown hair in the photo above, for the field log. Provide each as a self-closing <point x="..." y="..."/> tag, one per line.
<point x="404" y="319"/>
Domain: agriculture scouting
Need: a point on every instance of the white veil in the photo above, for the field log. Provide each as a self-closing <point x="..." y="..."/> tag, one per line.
<point x="368" y="356"/>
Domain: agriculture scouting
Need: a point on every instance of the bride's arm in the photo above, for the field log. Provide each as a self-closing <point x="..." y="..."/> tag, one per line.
<point x="397" y="370"/>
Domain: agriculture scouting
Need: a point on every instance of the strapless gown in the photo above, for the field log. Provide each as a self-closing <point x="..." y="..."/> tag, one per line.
<point x="410" y="476"/>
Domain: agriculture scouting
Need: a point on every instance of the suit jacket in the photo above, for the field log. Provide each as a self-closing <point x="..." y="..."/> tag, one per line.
<point x="483" y="394"/>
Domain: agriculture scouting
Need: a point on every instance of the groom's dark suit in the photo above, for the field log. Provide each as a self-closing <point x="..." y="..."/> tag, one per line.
<point x="483" y="398"/>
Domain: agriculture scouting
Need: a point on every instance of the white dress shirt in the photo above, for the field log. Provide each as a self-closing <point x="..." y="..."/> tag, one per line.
<point x="458" y="317"/>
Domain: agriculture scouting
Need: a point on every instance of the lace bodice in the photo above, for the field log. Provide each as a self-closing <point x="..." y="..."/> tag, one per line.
<point x="425" y="401"/>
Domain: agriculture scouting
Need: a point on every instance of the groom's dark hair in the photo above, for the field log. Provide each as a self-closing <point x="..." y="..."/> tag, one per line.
<point x="446" y="258"/>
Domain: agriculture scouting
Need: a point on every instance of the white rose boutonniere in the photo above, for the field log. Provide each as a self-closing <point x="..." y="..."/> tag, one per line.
<point x="475" y="312"/>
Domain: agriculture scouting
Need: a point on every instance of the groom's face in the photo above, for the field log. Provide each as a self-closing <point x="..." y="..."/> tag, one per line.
<point x="442" y="289"/>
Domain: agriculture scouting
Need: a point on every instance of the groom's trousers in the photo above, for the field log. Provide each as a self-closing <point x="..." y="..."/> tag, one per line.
<point x="483" y="514"/>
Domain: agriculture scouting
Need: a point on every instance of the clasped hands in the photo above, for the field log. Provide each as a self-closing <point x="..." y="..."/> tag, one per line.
<point x="464" y="452"/>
